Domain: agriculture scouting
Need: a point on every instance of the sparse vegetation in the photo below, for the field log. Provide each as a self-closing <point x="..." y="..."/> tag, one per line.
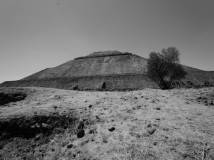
<point x="164" y="68"/>
<point x="149" y="124"/>
<point x="6" y="98"/>
<point x="28" y="127"/>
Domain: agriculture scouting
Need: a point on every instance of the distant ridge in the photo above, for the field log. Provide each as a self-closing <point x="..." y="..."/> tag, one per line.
<point x="106" y="70"/>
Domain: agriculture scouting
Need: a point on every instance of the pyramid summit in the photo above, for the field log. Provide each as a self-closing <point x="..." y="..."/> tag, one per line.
<point x="106" y="53"/>
<point x="103" y="70"/>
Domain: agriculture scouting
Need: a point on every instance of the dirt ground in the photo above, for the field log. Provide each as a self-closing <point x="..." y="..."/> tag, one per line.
<point x="149" y="124"/>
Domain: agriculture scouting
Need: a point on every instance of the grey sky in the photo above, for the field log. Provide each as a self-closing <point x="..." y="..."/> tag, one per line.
<point x="36" y="34"/>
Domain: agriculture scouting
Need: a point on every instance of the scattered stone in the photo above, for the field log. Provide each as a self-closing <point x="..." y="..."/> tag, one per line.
<point x="57" y="97"/>
<point x="155" y="125"/>
<point x="105" y="139"/>
<point x="38" y="137"/>
<point x="55" y="107"/>
<point x="129" y="111"/>
<point x="70" y="145"/>
<point x="81" y="125"/>
<point x="166" y="129"/>
<point x="91" y="131"/>
<point x="45" y="125"/>
<point x="153" y="101"/>
<point x="149" y="125"/>
<point x="158" y="108"/>
<point x="138" y="107"/>
<point x="151" y="131"/>
<point x="80" y="133"/>
<point x="111" y="129"/>
<point x="97" y="117"/>
<point x="90" y="106"/>
<point x="155" y="143"/>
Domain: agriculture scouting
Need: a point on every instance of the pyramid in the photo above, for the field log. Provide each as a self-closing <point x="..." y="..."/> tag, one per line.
<point x="104" y="70"/>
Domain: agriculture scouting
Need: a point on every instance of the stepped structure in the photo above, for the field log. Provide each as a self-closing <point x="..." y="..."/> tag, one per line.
<point x="106" y="70"/>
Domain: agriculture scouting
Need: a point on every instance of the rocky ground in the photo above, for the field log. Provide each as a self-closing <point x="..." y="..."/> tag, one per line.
<point x="150" y="124"/>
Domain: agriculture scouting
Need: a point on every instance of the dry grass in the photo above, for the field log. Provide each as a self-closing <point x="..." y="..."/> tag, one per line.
<point x="149" y="124"/>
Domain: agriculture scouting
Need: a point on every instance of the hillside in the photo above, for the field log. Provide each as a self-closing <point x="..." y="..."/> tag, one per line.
<point x="199" y="77"/>
<point x="107" y="70"/>
<point x="149" y="124"/>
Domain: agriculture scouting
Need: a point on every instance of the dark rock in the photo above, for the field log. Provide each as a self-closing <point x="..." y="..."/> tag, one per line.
<point x="70" y="146"/>
<point x="55" y="107"/>
<point x="151" y="131"/>
<point x="90" y="106"/>
<point x="155" y="143"/>
<point x="57" y="97"/>
<point x="149" y="125"/>
<point x="80" y="133"/>
<point x="111" y="129"/>
<point x="105" y="140"/>
<point x="153" y="101"/>
<point x="138" y="107"/>
<point x="92" y="131"/>
<point x="81" y="125"/>
<point x="97" y="117"/>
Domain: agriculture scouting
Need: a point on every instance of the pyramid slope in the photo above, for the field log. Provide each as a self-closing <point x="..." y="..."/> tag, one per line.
<point x="96" y="64"/>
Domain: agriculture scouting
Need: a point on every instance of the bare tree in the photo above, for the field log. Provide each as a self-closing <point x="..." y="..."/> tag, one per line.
<point x="164" y="67"/>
